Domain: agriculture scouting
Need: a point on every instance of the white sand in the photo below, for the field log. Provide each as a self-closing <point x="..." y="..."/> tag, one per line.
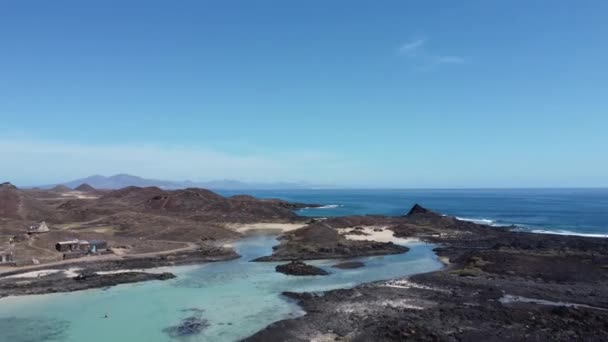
<point x="384" y="235"/>
<point x="273" y="227"/>
<point x="35" y="274"/>
<point x="70" y="272"/>
<point x="155" y="270"/>
<point x="119" y="271"/>
<point x="79" y="195"/>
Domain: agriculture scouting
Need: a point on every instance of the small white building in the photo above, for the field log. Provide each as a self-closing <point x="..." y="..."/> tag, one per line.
<point x="36" y="229"/>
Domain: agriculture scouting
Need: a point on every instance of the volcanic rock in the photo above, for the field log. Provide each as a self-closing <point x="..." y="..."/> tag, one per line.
<point x="299" y="268"/>
<point x="417" y="209"/>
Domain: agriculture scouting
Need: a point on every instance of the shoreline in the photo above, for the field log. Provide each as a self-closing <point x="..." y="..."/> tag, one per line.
<point x="91" y="274"/>
<point x="491" y="277"/>
<point x="495" y="284"/>
<point x="132" y="267"/>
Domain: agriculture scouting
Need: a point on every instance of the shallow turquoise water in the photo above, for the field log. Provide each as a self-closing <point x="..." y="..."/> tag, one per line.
<point x="237" y="298"/>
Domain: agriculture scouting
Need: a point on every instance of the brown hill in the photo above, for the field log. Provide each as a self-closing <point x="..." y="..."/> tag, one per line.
<point x="17" y="204"/>
<point x="84" y="187"/>
<point x="197" y="204"/>
<point x="131" y="196"/>
<point x="184" y="201"/>
<point x="60" y="188"/>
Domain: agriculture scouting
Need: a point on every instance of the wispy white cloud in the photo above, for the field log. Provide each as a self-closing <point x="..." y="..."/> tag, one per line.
<point x="411" y="46"/>
<point x="425" y="59"/>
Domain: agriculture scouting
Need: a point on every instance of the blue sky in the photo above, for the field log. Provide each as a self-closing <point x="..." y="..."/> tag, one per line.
<point x="349" y="93"/>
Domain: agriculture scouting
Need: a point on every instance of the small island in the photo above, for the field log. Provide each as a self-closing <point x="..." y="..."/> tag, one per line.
<point x="299" y="268"/>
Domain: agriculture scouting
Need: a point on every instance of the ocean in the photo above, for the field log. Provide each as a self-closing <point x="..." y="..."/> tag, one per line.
<point x="559" y="211"/>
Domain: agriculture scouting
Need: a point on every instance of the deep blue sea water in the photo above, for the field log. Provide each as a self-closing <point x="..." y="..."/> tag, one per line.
<point x="564" y="211"/>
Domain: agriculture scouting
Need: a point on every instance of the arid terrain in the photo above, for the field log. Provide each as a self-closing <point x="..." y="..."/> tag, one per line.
<point x="497" y="284"/>
<point x="132" y="220"/>
<point x="143" y="228"/>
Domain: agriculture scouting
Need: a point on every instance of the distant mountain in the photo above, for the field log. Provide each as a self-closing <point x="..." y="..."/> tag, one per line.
<point x="123" y="180"/>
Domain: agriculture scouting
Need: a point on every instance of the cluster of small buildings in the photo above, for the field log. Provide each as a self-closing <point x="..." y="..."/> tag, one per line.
<point x="77" y="248"/>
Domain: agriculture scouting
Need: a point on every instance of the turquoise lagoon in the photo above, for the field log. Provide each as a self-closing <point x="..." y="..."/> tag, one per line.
<point x="236" y="298"/>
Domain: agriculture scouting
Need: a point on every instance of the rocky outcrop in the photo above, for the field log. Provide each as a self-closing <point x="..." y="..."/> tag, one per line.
<point x="419" y="210"/>
<point x="320" y="241"/>
<point x="299" y="268"/>
<point x="189" y="326"/>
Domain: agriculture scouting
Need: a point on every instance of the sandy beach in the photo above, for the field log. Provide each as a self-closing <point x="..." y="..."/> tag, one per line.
<point x="374" y="233"/>
<point x="275" y="228"/>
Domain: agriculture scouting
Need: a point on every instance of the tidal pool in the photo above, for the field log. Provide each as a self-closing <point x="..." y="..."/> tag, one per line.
<point x="229" y="300"/>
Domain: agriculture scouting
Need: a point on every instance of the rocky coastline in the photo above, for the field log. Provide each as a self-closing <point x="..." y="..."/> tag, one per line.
<point x="59" y="283"/>
<point x="498" y="284"/>
<point x="78" y="276"/>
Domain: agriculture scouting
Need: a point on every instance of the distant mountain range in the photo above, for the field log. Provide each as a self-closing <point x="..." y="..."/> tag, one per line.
<point x="123" y="180"/>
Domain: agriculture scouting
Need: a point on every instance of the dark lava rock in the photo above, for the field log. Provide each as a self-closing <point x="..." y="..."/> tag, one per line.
<point x="299" y="268"/>
<point x="187" y="327"/>
<point x="349" y="265"/>
<point x="418" y="209"/>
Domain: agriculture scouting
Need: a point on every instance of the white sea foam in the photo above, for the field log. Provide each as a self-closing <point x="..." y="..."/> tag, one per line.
<point x="328" y="206"/>
<point x="477" y="220"/>
<point x="567" y="232"/>
<point x="524" y="228"/>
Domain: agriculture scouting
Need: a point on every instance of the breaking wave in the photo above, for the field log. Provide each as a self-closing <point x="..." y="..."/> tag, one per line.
<point x="478" y="221"/>
<point x="524" y="228"/>
<point x="568" y="232"/>
<point x="329" y="206"/>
